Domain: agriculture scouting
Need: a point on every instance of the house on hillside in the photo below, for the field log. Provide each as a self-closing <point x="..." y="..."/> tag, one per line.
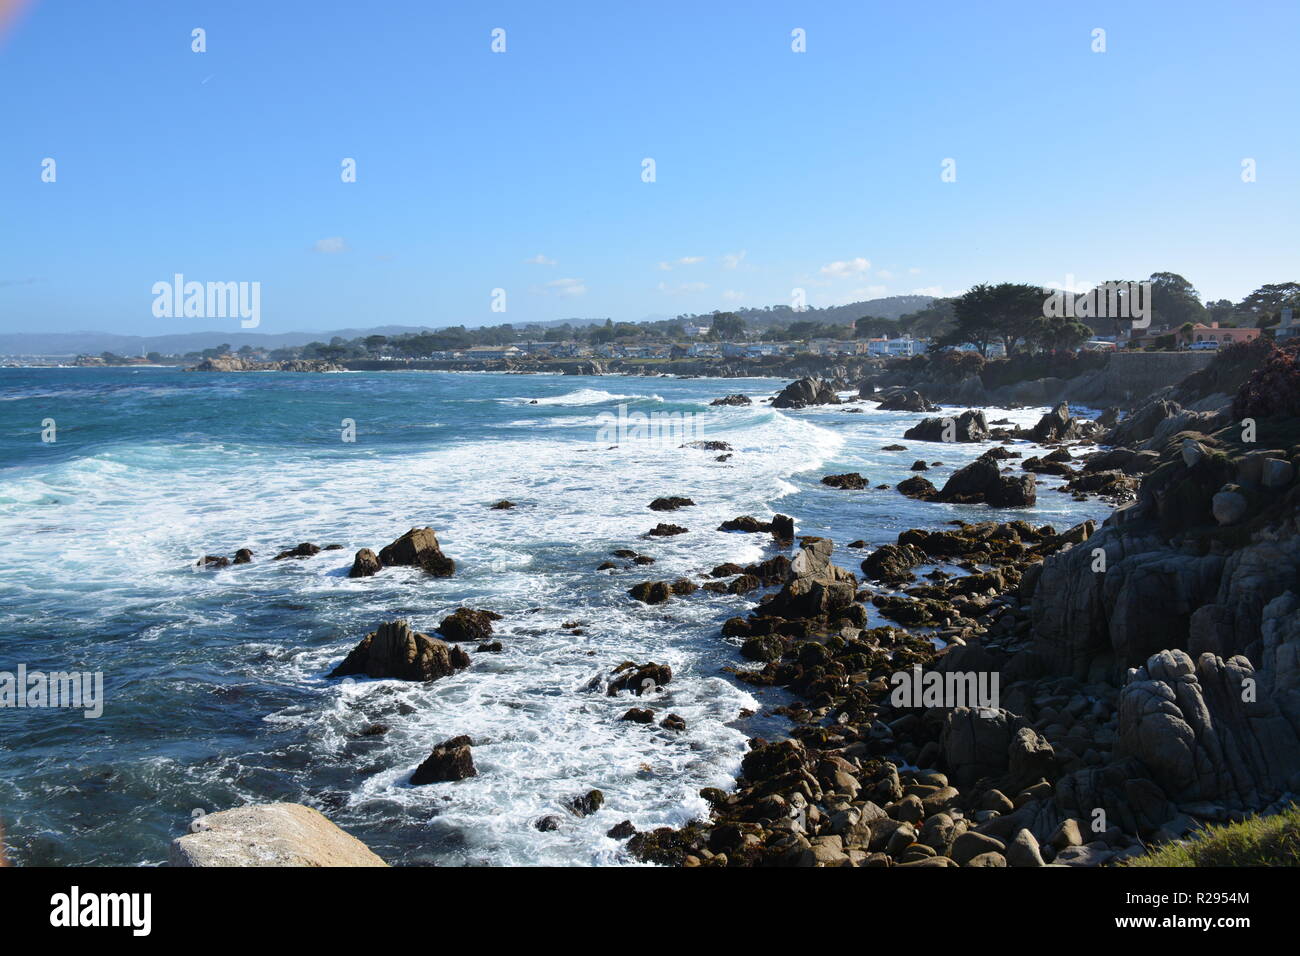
<point x="1201" y="333"/>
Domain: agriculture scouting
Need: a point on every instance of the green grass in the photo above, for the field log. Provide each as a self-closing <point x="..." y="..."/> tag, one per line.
<point x="1258" y="841"/>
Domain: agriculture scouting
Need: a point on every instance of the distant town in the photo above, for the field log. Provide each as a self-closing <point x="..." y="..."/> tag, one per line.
<point x="994" y="320"/>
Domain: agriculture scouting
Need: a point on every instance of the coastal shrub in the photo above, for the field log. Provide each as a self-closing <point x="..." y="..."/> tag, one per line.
<point x="1257" y="841"/>
<point x="1273" y="388"/>
<point x="1229" y="368"/>
<point x="1026" y="367"/>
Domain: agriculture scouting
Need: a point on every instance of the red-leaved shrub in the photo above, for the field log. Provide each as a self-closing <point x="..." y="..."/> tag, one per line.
<point x="1273" y="388"/>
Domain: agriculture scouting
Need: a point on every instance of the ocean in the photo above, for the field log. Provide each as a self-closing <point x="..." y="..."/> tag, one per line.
<point x="215" y="687"/>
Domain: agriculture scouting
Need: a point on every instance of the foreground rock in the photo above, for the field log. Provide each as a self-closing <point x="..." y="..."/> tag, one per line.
<point x="394" y="650"/>
<point x="276" y="834"/>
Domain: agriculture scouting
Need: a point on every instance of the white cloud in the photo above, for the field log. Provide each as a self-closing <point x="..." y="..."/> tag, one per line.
<point x="732" y="260"/>
<point x="331" y="246"/>
<point x="683" y="261"/>
<point x="885" y="274"/>
<point x="846" y="268"/>
<point x="540" y="260"/>
<point x="731" y="295"/>
<point x="567" y="287"/>
<point x="914" y="271"/>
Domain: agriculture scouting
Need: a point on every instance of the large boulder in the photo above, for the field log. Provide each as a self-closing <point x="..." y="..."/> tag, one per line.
<point x="275" y="834"/>
<point x="969" y="426"/>
<point x="1058" y="426"/>
<point x="418" y="547"/>
<point x="982" y="481"/>
<point x="815" y="587"/>
<point x="805" y="392"/>
<point x="1207" y="730"/>
<point x="906" y="400"/>
<point x="395" y="650"/>
<point x="1115" y="601"/>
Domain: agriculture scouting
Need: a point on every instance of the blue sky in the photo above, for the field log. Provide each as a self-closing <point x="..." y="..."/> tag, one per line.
<point x="775" y="170"/>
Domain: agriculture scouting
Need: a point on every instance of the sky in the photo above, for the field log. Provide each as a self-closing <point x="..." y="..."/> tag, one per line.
<point x="523" y="170"/>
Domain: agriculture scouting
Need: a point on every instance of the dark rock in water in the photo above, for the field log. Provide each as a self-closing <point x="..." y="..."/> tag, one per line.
<point x="642" y="678"/>
<point x="466" y="624"/>
<point x="709" y="445"/>
<point x="919" y="465"/>
<point x="1058" y="426"/>
<point x="981" y="482"/>
<point x="783" y="527"/>
<point x="365" y="564"/>
<point x="587" y="804"/>
<point x="745" y="523"/>
<point x="917" y="487"/>
<point x="673" y="722"/>
<point x="503" y="505"/>
<point x="765" y="647"/>
<point x="892" y="563"/>
<point x="304" y="550"/>
<point x="243" y="556"/>
<point x="907" y="400"/>
<point x="395" y="650"/>
<point x="893" y="448"/>
<point x="623" y="553"/>
<point x="969" y="426"/>
<point x="333" y="547"/>
<point x="847" y="482"/>
<point x="418" y="547"/>
<point x="547" y="824"/>
<point x="621" y="831"/>
<point x="805" y="392"/>
<point x="650" y="592"/>
<point x="671" y="503"/>
<point x="732" y="400"/>
<point x="606" y="566"/>
<point x="492" y="647"/>
<point x="639" y="715"/>
<point x="213" y="561"/>
<point x="726" y="570"/>
<point x="643" y="559"/>
<point x="815" y="587"/>
<point x="1042" y="466"/>
<point x="683" y="586"/>
<point x="666" y="530"/>
<point x="450" y="760"/>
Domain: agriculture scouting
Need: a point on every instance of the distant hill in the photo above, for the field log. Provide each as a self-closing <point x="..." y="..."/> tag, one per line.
<point x="178" y="343"/>
<point x="890" y="307"/>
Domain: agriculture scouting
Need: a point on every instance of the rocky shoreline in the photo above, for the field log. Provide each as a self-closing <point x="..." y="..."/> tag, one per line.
<point x="1149" y="670"/>
<point x="1144" y="675"/>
